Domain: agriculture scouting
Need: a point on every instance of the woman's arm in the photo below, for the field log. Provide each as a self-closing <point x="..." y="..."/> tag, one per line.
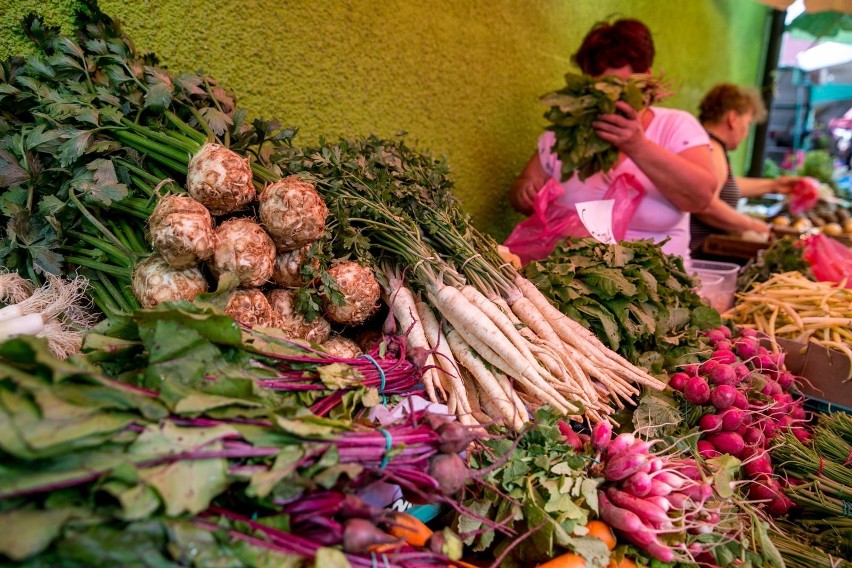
<point x="525" y="188"/>
<point x="685" y="178"/>
<point x="755" y="187"/>
<point x="722" y="216"/>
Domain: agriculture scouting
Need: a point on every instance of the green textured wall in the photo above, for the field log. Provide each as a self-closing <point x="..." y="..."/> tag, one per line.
<point x="462" y="77"/>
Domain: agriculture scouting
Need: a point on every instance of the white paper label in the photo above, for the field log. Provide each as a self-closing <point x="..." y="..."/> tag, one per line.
<point x="597" y="218"/>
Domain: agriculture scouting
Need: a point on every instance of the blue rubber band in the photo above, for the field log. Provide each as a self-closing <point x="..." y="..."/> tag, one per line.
<point x="385" y="561"/>
<point x="373" y="562"/>
<point x="379" y="368"/>
<point x="388" y="446"/>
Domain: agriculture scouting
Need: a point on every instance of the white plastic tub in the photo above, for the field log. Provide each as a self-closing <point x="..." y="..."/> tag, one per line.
<point x="723" y="295"/>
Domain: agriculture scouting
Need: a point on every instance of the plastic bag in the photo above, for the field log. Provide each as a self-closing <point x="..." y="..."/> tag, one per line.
<point x="804" y="196"/>
<point x="535" y="238"/>
<point x="830" y="260"/>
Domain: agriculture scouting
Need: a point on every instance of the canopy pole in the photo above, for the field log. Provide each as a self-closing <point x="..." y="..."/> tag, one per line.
<point x="767" y="87"/>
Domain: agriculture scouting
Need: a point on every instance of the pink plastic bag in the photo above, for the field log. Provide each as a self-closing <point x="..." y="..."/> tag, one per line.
<point x="535" y="238"/>
<point x="830" y="260"/>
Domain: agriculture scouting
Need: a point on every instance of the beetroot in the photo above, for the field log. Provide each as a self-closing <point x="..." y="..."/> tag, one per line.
<point x="678" y="380"/>
<point x="455" y="437"/>
<point x="696" y="391"/>
<point x="723" y="396"/>
<point x="450" y="471"/>
<point x="359" y="535"/>
<point x="727" y="443"/>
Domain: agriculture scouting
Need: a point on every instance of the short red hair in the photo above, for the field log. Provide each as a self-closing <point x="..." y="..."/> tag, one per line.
<point x="613" y="45"/>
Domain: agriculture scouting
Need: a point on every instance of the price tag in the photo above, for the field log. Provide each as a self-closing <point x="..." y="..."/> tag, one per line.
<point x="596" y="216"/>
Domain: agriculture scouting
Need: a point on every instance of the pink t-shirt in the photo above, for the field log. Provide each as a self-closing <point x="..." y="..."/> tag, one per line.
<point x="656" y="217"/>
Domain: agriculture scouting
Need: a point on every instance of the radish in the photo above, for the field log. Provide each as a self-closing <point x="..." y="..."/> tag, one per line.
<point x="293" y="213"/>
<point x="671" y="479"/>
<point x="715" y="335"/>
<point x="220" y="179"/>
<point x="746" y="347"/>
<point x="724" y="330"/>
<point x="759" y="464"/>
<point x="601" y="435"/>
<point x="571" y="437"/>
<point x="691" y="369"/>
<point x="659" y="488"/>
<point x="764" y="490"/>
<point x="154" y="281"/>
<point x="786" y="380"/>
<point x="742" y="372"/>
<point x="620" y="444"/>
<point x="706" y="450"/>
<point x="724" y="395"/>
<point x="642" y="507"/>
<point x="779" y="506"/>
<point x="740" y="401"/>
<point x="655" y="464"/>
<point x="724" y="356"/>
<point x="678" y="380"/>
<point x="707" y="366"/>
<point x="753" y="437"/>
<point x="732" y="419"/>
<point x="726" y="345"/>
<point x="748" y="332"/>
<point x="638" y="484"/>
<point x="710" y="423"/>
<point x="727" y="443"/>
<point x="723" y="375"/>
<point x="624" y="465"/>
<point x="696" y="391"/>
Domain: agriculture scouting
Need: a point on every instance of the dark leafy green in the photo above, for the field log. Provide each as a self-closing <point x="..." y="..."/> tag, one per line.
<point x="784" y="255"/>
<point x="635" y="298"/>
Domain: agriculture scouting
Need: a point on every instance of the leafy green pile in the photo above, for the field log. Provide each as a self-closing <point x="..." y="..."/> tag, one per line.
<point x="542" y="487"/>
<point x="631" y="295"/>
<point x="784" y="255"/>
<point x="153" y="457"/>
<point x="574" y="108"/>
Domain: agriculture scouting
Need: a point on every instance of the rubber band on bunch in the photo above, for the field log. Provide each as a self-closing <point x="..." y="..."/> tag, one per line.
<point x="381" y="376"/>
<point x="388" y="446"/>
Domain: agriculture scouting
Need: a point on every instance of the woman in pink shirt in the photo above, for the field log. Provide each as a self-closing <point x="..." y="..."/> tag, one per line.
<point x="667" y="150"/>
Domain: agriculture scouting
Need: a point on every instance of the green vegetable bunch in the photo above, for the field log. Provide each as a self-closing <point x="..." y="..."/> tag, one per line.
<point x="783" y="256"/>
<point x="635" y="298"/>
<point x="574" y="108"/>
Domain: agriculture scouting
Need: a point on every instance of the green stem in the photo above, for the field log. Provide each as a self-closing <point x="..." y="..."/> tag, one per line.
<point x="148" y="146"/>
<point x="105" y="247"/>
<point x="132" y="236"/>
<point x="145" y="175"/>
<point x="88" y="215"/>
<point x="103" y="299"/>
<point x="116" y="294"/>
<point x="168" y="141"/>
<point x="119" y="271"/>
<point x="131" y="210"/>
<point x="189" y="131"/>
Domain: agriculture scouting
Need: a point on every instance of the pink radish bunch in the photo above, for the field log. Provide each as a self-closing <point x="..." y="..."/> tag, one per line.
<point x="652" y="499"/>
<point x="747" y="398"/>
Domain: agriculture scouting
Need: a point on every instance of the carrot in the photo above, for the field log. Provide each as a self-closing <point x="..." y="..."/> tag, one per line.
<point x="567" y="560"/>
<point x="601" y="530"/>
<point x="408" y="528"/>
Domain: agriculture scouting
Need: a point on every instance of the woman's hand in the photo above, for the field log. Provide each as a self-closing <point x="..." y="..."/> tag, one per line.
<point x="526" y="186"/>
<point x="785" y="184"/>
<point x="623" y="130"/>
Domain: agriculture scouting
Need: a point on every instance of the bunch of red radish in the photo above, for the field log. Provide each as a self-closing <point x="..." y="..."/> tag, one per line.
<point x="652" y="499"/>
<point x="747" y="399"/>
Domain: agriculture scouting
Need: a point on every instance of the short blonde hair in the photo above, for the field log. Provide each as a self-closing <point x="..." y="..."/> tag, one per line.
<point x="726" y="97"/>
